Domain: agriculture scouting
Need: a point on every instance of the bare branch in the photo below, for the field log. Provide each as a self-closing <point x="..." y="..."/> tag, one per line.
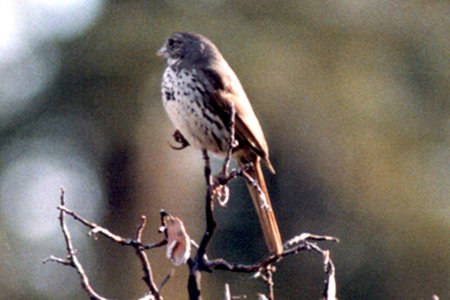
<point x="264" y="268"/>
<point x="71" y="258"/>
<point x="58" y="260"/>
<point x="255" y="185"/>
<point x="96" y="229"/>
<point x="218" y="187"/>
<point x="148" y="275"/>
<point x="197" y="264"/>
<point x="166" y="279"/>
<point x="136" y="243"/>
<point x="194" y="280"/>
<point x="227" y="292"/>
<point x="309" y="237"/>
<point x="267" y="275"/>
<point x="228" y="295"/>
<point x="210" y="222"/>
<point x="201" y="263"/>
<point x="330" y="282"/>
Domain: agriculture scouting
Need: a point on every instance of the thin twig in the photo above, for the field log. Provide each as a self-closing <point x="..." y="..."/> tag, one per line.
<point x="228" y="295"/>
<point x="309" y="237"/>
<point x="210" y="222"/>
<point x="227" y="292"/>
<point x="194" y="280"/>
<point x="96" y="229"/>
<point x="264" y="266"/>
<point x="254" y="183"/>
<point x="197" y="264"/>
<point x="207" y="168"/>
<point x="148" y="275"/>
<point x="136" y="243"/>
<point x="221" y="264"/>
<point x="166" y="279"/>
<point x="267" y="275"/>
<point x="269" y="281"/>
<point x="71" y="257"/>
<point x="330" y="282"/>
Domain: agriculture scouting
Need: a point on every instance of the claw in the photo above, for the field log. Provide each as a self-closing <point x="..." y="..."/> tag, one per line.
<point x="221" y="194"/>
<point x="179" y="138"/>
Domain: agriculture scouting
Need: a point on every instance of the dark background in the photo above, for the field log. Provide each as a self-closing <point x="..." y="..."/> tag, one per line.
<point x="352" y="96"/>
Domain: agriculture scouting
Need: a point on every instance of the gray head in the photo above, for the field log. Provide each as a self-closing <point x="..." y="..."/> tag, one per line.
<point x="188" y="47"/>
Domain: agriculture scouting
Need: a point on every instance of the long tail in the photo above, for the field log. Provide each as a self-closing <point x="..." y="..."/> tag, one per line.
<point x="263" y="207"/>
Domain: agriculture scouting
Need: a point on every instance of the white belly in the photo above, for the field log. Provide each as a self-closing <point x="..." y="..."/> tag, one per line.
<point x="184" y="104"/>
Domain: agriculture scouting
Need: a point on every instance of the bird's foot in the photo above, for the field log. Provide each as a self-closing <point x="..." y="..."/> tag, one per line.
<point x="220" y="192"/>
<point x="179" y="138"/>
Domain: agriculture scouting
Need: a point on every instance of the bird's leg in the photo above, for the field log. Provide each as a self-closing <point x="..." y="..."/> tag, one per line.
<point x="207" y="170"/>
<point x="221" y="190"/>
<point x="179" y="138"/>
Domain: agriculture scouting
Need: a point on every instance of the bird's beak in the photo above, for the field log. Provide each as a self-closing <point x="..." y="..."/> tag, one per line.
<point x="162" y="52"/>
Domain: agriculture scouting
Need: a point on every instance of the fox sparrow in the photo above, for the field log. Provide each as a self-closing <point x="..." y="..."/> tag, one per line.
<point x="200" y="91"/>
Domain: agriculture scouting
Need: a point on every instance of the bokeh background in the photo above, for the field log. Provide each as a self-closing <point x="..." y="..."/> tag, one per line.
<point x="353" y="97"/>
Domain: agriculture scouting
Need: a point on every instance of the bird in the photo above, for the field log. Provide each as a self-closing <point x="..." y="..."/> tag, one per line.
<point x="201" y="94"/>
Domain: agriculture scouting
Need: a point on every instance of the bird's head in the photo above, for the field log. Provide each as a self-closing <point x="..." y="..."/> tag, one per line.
<point x="189" y="46"/>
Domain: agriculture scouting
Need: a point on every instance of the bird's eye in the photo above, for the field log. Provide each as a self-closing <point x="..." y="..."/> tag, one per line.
<point x="171" y="43"/>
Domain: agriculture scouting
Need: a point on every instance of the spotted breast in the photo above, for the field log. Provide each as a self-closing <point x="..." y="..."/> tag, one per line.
<point x="185" y="101"/>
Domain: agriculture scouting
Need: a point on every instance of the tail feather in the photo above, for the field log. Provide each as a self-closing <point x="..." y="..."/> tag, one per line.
<point x="264" y="209"/>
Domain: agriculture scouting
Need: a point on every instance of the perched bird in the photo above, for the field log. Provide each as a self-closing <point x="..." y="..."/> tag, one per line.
<point x="200" y="91"/>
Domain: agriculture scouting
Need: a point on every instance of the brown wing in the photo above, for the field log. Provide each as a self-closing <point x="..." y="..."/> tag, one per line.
<point x="225" y="90"/>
